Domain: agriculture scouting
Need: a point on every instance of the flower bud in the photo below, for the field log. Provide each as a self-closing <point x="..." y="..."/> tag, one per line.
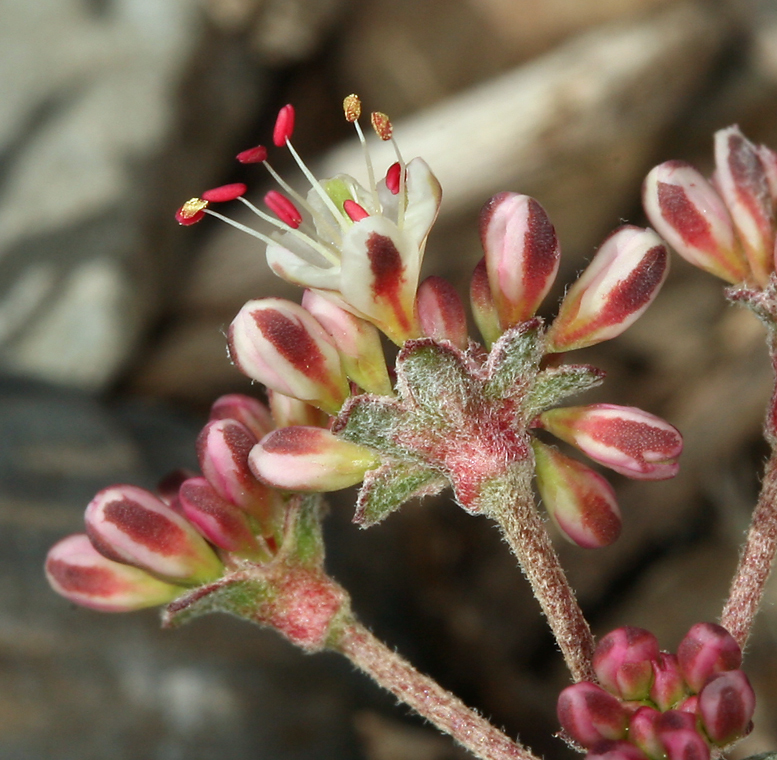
<point x="77" y="571"/>
<point x="310" y="459"/>
<point x="690" y="215"/>
<point x="609" y="750"/>
<point x="622" y="662"/>
<point x="246" y="410"/>
<point x="357" y="341"/>
<point x="589" y="714"/>
<point x="281" y="345"/>
<point x="441" y="312"/>
<point x="643" y="732"/>
<point x="288" y="412"/>
<point x="623" y="438"/>
<point x="483" y="306"/>
<point x="128" y="524"/>
<point x="707" y="649"/>
<point x="217" y="520"/>
<point x="580" y="501"/>
<point x="742" y="180"/>
<point x="621" y="281"/>
<point x="522" y="255"/>
<point x="677" y="732"/>
<point x="668" y="687"/>
<point x="726" y="705"/>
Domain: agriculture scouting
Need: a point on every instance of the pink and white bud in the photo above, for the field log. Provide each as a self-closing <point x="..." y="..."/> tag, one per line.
<point x="643" y="732"/>
<point x="623" y="662"/>
<point x="609" y="750"/>
<point x="580" y="501"/>
<point x="690" y="215"/>
<point x="130" y="525"/>
<point x="289" y="412"/>
<point x="769" y="162"/>
<point x="281" y="345"/>
<point x="217" y="520"/>
<point x="441" y="312"/>
<point x="707" y="649"/>
<point x="77" y="571"/>
<point x="246" y="410"/>
<point x="522" y="254"/>
<point x="589" y="714"/>
<point x="483" y="306"/>
<point x="357" y="340"/>
<point x="621" y="281"/>
<point x="677" y="732"/>
<point x="668" y="687"/>
<point x="310" y="459"/>
<point x="726" y="706"/>
<point x="742" y="180"/>
<point x="623" y="438"/>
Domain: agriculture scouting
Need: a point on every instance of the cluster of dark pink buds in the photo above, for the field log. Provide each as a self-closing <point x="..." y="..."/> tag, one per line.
<point x="653" y="705"/>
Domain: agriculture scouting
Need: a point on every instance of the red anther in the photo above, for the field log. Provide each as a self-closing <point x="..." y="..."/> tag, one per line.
<point x="191" y="212"/>
<point x="224" y="193"/>
<point x="284" y="126"/>
<point x="354" y="210"/>
<point x="382" y="125"/>
<point x="283" y="208"/>
<point x="352" y="107"/>
<point x="253" y="155"/>
<point x="392" y="177"/>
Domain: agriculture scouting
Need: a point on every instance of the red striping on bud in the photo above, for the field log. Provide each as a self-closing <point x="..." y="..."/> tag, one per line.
<point x="441" y="312"/>
<point x="482" y="303"/>
<point x="382" y="125"/>
<point x="522" y="254"/>
<point x="128" y="524"/>
<point x="77" y="571"/>
<point x="668" y="688"/>
<point x="726" y="706"/>
<point x="589" y="714"/>
<point x="354" y="211"/>
<point x="255" y="155"/>
<point x="707" y="649"/>
<point x="352" y="108"/>
<point x="191" y="212"/>
<point x="623" y="438"/>
<point x="283" y="208"/>
<point x="622" y="662"/>
<point x="288" y="412"/>
<point x="678" y="734"/>
<point x="393" y="176"/>
<point x="245" y="410"/>
<point x="643" y="732"/>
<point x="284" y="126"/>
<point x="224" y="193"/>
<point x="609" y="750"/>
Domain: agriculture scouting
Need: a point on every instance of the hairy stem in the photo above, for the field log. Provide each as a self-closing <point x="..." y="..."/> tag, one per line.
<point x="441" y="708"/>
<point x="512" y="506"/>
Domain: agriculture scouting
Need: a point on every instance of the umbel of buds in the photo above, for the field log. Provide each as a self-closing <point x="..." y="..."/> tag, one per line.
<point x="650" y="705"/>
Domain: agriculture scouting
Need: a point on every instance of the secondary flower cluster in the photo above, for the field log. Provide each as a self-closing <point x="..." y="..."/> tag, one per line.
<point x="653" y="705"/>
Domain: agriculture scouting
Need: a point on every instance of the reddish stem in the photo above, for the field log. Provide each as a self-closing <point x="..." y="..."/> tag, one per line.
<point x="441" y="708"/>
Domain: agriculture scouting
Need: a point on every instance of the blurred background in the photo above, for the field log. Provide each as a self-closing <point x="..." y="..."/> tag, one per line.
<point x="113" y="112"/>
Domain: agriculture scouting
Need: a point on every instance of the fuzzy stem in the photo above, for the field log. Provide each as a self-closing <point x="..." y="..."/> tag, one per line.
<point x="441" y="708"/>
<point x="515" y="511"/>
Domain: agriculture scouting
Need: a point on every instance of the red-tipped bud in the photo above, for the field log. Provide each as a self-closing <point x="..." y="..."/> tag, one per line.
<point x="627" y="440"/>
<point x="690" y="215"/>
<point x="217" y="520"/>
<point x="130" y="525"/>
<point x="283" y="208"/>
<point x="726" y="706"/>
<point x="393" y="176"/>
<point x="246" y="410"/>
<point x="643" y="732"/>
<point x="382" y="125"/>
<point x="441" y="312"/>
<point x="589" y="714"/>
<point x="707" y="649"/>
<point x="522" y="254"/>
<point x="281" y="345"/>
<point x="310" y="459"/>
<point x="483" y="306"/>
<point x="288" y="412"/>
<point x="224" y="193"/>
<point x="621" y="281"/>
<point x="622" y="662"/>
<point x="742" y="181"/>
<point x="677" y="732"/>
<point x="609" y="750"/>
<point x="668" y="687"/>
<point x="77" y="571"/>
<point x="191" y="212"/>
<point x="255" y="155"/>
<point x="284" y="126"/>
<point x="580" y="501"/>
<point x="354" y="211"/>
<point x="352" y="108"/>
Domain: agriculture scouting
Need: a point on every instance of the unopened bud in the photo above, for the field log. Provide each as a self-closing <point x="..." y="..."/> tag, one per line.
<point x="609" y="750"/>
<point x="726" y="705"/>
<point x="677" y="732"/>
<point x="245" y="410"/>
<point x="623" y="662"/>
<point x="668" y="687"/>
<point x="643" y="732"/>
<point x="589" y="714"/>
<point x="441" y="312"/>
<point x="483" y="306"/>
<point x="288" y="412"/>
<point x="707" y="649"/>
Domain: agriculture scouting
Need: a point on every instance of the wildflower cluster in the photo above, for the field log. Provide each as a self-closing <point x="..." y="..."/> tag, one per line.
<point x="653" y="705"/>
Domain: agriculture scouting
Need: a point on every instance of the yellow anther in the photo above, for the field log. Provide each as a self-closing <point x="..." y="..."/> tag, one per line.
<point x="381" y="124"/>
<point x="192" y="207"/>
<point x="352" y="107"/>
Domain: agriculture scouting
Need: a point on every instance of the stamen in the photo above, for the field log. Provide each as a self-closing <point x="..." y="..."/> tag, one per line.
<point x="224" y="193"/>
<point x="284" y="126"/>
<point x="283" y="208"/>
<point x="242" y="227"/>
<point x="393" y="176"/>
<point x="352" y="107"/>
<point x="191" y="212"/>
<point x="255" y="155"/>
<point x="354" y="210"/>
<point x="382" y="125"/>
